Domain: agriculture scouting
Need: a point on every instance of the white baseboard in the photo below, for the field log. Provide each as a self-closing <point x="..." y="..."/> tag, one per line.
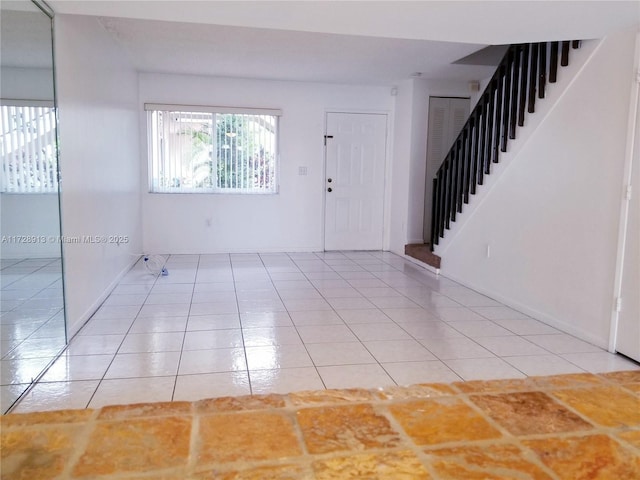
<point x="240" y="251"/>
<point x="554" y="322"/>
<point x="72" y="330"/>
<point x="421" y="264"/>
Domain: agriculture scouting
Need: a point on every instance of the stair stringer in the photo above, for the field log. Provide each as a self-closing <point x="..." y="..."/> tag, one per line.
<point x="554" y="260"/>
<point x="554" y="92"/>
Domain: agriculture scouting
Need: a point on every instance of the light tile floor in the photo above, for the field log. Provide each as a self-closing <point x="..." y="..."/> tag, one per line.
<point x="31" y="322"/>
<point x="275" y="323"/>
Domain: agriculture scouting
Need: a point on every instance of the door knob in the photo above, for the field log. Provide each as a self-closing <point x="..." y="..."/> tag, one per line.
<point x="329" y="180"/>
<point x="329" y="190"/>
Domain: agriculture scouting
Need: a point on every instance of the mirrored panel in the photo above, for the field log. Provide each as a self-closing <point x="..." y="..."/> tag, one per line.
<point x="32" y="320"/>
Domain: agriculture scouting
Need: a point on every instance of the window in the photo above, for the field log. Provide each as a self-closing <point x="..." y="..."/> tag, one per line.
<point x="212" y="149"/>
<point x="28" y="148"/>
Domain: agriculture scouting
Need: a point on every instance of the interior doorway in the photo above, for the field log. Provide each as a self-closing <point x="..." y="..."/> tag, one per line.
<point x="447" y="116"/>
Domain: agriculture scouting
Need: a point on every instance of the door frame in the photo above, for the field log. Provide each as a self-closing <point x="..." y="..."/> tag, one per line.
<point x="428" y="181"/>
<point x="632" y="153"/>
<point x="386" y="207"/>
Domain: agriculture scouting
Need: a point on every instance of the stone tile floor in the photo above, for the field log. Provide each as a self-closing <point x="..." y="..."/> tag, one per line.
<point x="573" y="427"/>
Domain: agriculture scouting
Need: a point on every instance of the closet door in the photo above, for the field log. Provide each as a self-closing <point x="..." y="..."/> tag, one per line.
<point x="628" y="337"/>
<point x="447" y="116"/>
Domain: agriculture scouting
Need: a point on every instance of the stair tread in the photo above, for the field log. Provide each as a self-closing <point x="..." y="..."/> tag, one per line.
<point x="422" y="252"/>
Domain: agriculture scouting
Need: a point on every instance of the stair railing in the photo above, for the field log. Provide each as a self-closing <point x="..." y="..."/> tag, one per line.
<point x="511" y="93"/>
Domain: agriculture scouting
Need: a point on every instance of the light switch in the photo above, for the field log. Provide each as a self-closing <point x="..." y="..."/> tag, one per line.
<point x="302" y="170"/>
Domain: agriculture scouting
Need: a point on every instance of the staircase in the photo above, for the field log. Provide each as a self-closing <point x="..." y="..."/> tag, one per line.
<point x="510" y="95"/>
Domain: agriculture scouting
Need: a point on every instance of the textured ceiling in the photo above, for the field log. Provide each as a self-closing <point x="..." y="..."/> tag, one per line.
<point x="361" y="42"/>
<point x="189" y="48"/>
<point x="471" y="21"/>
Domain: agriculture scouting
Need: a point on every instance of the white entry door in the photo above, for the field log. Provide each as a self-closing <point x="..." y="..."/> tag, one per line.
<point x="356" y="146"/>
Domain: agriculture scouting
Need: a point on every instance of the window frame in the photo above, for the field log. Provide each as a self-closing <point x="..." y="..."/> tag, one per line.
<point x="153" y="188"/>
<point x="50" y="134"/>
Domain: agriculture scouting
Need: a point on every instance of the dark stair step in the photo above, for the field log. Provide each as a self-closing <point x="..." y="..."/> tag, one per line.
<point x="422" y="252"/>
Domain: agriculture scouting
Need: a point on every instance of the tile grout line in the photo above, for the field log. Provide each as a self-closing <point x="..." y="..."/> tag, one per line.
<point x="377" y="362"/>
<point x="513" y="438"/>
<point x="115" y="354"/>
<point x="81" y="445"/>
<point x="194" y="436"/>
<point x="408" y="333"/>
<point x="24" y="302"/>
<point x="244" y="346"/>
<point x="383" y="408"/>
<point x="18" y="401"/>
<point x="343" y="322"/>
<point x="186" y="328"/>
<point x="295" y="326"/>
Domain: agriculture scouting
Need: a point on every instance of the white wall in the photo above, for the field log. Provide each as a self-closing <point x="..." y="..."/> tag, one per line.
<point x="34" y="213"/>
<point x="552" y="217"/>
<point x="418" y="160"/>
<point x="399" y="178"/>
<point x="30" y="214"/>
<point x="99" y="161"/>
<point x="410" y="156"/>
<point x="293" y="219"/>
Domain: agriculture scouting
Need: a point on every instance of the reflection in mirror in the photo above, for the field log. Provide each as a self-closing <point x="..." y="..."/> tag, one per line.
<point x="32" y="318"/>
